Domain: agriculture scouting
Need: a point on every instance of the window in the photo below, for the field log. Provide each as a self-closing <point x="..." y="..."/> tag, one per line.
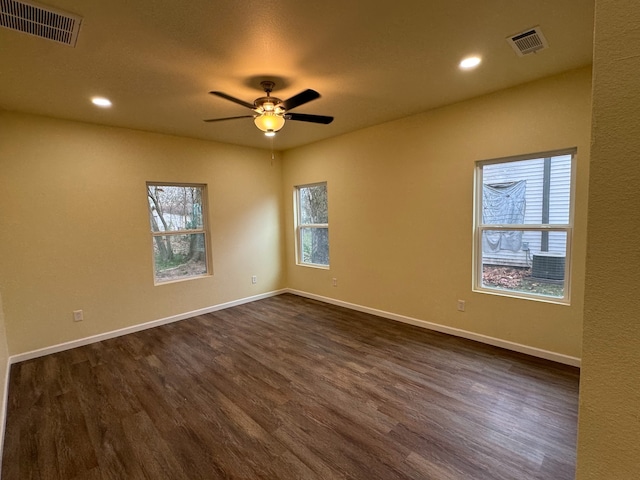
<point x="523" y="226"/>
<point x="177" y="214"/>
<point x="312" y="219"/>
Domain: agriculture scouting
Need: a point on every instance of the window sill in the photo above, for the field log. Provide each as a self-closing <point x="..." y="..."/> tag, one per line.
<point x="179" y="280"/>
<point x="313" y="265"/>
<point x="523" y="296"/>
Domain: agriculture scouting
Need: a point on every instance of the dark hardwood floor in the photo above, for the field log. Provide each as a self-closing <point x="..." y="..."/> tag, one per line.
<point x="288" y="388"/>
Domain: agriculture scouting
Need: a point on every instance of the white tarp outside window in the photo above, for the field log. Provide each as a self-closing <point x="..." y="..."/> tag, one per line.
<point x="503" y="204"/>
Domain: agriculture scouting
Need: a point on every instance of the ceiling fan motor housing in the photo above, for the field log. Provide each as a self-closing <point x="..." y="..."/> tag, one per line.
<point x="276" y="102"/>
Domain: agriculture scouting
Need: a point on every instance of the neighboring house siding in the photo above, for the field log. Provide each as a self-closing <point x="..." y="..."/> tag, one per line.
<point x="532" y="171"/>
<point x="560" y="190"/>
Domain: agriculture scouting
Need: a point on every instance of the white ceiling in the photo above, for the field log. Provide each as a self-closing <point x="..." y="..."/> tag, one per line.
<point x="371" y="61"/>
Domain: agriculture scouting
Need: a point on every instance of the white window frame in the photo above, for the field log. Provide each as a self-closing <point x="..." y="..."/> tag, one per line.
<point x="204" y="231"/>
<point x="479" y="228"/>
<point x="300" y="227"/>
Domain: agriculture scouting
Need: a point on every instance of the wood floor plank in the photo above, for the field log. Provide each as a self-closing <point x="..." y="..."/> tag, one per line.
<point x="290" y="388"/>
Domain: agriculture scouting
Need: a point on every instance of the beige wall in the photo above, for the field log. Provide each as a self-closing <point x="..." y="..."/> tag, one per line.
<point x="400" y="210"/>
<point x="75" y="227"/>
<point x="609" y="425"/>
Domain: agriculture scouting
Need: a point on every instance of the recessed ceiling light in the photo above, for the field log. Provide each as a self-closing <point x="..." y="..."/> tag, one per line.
<point x="101" y="102"/>
<point x="470" y="62"/>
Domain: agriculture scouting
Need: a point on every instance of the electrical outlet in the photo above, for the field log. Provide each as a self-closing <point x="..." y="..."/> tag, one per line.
<point x="334" y="282"/>
<point x="461" y="305"/>
<point x="254" y="279"/>
<point x="78" y="316"/>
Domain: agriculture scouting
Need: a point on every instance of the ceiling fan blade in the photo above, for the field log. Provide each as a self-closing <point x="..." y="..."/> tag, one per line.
<point x="300" y="99"/>
<point x="227" y="118"/>
<point x="234" y="99"/>
<point x="303" y="117"/>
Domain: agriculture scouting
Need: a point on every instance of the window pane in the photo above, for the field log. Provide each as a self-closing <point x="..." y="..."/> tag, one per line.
<point x="175" y="207"/>
<point x="530" y="262"/>
<point x="314" y="244"/>
<point x="313" y="204"/>
<point x="535" y="191"/>
<point x="560" y="188"/>
<point x="179" y="256"/>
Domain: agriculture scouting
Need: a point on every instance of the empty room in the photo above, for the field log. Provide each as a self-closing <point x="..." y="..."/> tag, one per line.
<point x="336" y="240"/>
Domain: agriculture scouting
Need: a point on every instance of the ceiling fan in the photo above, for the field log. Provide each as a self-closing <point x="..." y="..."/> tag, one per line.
<point x="270" y="113"/>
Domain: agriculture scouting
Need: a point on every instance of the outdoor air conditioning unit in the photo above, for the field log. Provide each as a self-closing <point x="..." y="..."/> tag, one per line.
<point x="548" y="266"/>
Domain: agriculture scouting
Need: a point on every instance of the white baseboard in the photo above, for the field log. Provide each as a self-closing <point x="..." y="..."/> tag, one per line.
<point x="537" y="352"/>
<point x="135" y="328"/>
<point x="496" y="342"/>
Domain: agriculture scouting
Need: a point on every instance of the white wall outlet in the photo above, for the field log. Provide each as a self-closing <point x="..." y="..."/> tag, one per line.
<point x="78" y="316"/>
<point x="461" y="305"/>
<point x="254" y="279"/>
<point x="334" y="282"/>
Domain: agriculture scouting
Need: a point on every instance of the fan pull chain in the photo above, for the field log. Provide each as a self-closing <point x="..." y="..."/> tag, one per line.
<point x="272" y="155"/>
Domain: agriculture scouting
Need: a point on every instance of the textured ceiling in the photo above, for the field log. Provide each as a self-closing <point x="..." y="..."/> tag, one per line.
<point x="371" y="61"/>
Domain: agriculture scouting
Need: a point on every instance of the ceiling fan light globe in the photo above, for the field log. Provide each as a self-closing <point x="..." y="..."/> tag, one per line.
<point x="269" y="121"/>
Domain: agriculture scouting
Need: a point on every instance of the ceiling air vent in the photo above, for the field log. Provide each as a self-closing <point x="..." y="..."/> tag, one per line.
<point x="40" y="20"/>
<point x="528" y="42"/>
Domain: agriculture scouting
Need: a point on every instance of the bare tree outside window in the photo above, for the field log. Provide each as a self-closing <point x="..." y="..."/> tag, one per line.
<point x="313" y="224"/>
<point x="177" y="218"/>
